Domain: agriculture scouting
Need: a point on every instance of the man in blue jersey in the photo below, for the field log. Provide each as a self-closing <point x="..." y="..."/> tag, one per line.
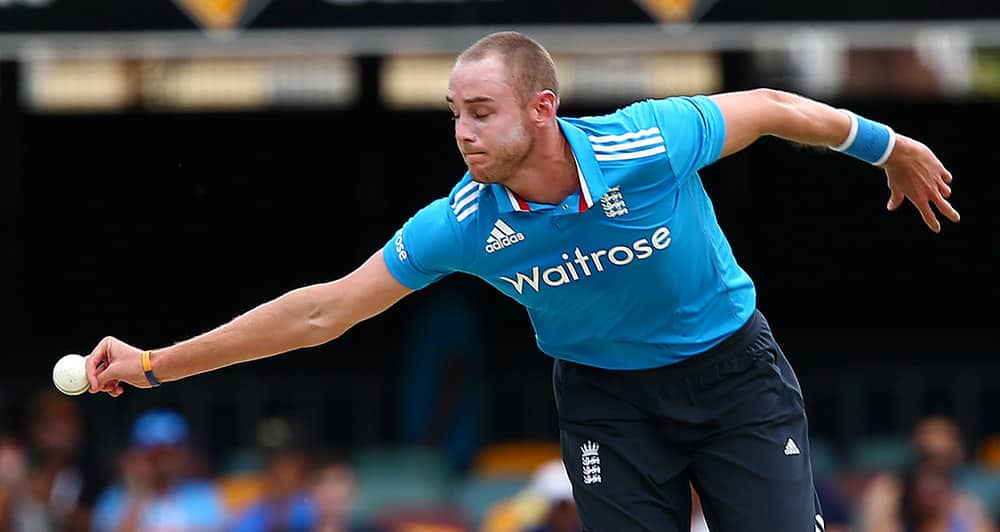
<point x="665" y="373"/>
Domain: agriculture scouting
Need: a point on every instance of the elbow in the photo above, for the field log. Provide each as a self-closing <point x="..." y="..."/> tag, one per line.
<point x="773" y="96"/>
<point x="321" y="318"/>
<point x="780" y="113"/>
<point x="322" y="325"/>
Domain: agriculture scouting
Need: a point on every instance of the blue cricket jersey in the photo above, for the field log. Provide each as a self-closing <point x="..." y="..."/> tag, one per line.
<point x="630" y="272"/>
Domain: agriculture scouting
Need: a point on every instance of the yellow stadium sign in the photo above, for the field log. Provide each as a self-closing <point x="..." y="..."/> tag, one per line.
<point x="221" y="14"/>
<point x="672" y="10"/>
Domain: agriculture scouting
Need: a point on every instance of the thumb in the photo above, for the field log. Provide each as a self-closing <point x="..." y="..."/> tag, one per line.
<point x="895" y="200"/>
<point x="97" y="362"/>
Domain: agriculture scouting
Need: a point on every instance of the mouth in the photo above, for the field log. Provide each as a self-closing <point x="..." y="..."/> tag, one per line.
<point x="475" y="157"/>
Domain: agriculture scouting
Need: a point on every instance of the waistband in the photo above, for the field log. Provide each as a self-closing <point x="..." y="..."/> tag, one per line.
<point x="736" y="343"/>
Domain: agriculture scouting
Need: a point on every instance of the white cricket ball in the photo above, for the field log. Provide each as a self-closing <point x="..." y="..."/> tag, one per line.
<point x="70" y="375"/>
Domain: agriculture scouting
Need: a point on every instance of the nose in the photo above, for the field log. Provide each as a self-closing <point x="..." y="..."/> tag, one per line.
<point x="463" y="132"/>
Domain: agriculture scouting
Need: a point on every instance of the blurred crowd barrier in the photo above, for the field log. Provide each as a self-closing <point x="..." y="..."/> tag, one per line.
<point x="161" y="473"/>
<point x="337" y="68"/>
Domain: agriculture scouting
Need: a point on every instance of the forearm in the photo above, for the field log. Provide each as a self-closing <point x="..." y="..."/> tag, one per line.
<point x="300" y="318"/>
<point x="913" y="171"/>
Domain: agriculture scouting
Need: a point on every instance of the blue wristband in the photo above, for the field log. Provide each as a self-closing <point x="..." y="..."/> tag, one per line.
<point x="868" y="140"/>
<point x="147" y="368"/>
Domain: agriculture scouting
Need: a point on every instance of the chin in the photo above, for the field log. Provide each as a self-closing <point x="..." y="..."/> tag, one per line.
<point x="482" y="177"/>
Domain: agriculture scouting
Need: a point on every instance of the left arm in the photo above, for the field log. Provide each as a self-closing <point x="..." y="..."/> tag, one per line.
<point x="913" y="171"/>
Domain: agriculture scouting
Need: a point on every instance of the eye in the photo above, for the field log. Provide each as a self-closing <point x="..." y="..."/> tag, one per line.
<point x="480" y="116"/>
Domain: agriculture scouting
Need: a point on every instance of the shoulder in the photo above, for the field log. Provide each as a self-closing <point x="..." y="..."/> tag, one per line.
<point x="463" y="200"/>
<point x="627" y="137"/>
<point x="436" y="239"/>
<point x="449" y="213"/>
<point x="647" y="113"/>
<point x="624" y="122"/>
<point x="687" y="132"/>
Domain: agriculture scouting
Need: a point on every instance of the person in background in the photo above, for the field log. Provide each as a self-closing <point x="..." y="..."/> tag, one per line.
<point x="940" y="451"/>
<point x="157" y="492"/>
<point x="333" y="493"/>
<point x="42" y="486"/>
<point x="443" y="374"/>
<point x="285" y="505"/>
<point x="19" y="511"/>
<point x="926" y="496"/>
<point x="60" y="482"/>
<point x="930" y="502"/>
<point x="559" y="513"/>
<point x="545" y="504"/>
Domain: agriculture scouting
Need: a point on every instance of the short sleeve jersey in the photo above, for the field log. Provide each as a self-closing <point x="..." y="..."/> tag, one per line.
<point x="630" y="272"/>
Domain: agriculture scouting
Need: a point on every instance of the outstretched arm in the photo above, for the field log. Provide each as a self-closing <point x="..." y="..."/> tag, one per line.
<point x="303" y="317"/>
<point x="912" y="170"/>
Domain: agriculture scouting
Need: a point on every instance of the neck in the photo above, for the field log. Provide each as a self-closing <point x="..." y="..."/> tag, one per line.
<point x="548" y="174"/>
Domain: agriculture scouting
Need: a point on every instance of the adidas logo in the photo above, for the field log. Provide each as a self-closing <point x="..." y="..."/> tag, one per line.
<point x="790" y="448"/>
<point x="502" y="236"/>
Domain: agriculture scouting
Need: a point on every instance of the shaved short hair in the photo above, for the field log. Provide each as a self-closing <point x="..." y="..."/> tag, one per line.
<point x="530" y="66"/>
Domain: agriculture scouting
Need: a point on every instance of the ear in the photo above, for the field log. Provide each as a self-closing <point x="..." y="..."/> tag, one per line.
<point x="543" y="107"/>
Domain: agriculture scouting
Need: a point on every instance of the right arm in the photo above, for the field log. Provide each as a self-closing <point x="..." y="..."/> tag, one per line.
<point x="912" y="169"/>
<point x="304" y="317"/>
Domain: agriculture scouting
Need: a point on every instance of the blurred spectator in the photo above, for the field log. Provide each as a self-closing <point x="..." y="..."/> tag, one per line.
<point x="984" y="479"/>
<point x="59" y="482"/>
<point x="926" y="497"/>
<point x="43" y="484"/>
<point x="559" y="515"/>
<point x="444" y="377"/>
<point x="545" y="505"/>
<point x="19" y="512"/>
<point x="333" y="492"/>
<point x="244" y="476"/>
<point x="930" y="503"/>
<point x="285" y="504"/>
<point x="157" y="492"/>
<point x="937" y="442"/>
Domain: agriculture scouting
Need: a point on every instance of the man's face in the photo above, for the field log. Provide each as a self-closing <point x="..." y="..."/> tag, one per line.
<point x="491" y="123"/>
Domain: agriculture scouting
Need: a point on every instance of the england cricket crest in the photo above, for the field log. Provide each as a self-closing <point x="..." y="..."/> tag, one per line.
<point x="613" y="203"/>
<point x="591" y="460"/>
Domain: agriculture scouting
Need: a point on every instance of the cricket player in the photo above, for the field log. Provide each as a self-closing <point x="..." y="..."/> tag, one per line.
<point x="665" y="372"/>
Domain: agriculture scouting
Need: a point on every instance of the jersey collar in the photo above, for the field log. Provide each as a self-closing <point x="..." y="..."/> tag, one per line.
<point x="592" y="184"/>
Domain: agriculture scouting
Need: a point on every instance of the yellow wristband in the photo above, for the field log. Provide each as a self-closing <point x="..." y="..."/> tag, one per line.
<point x="147" y="368"/>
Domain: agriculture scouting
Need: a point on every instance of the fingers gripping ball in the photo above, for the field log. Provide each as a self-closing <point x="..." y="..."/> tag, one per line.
<point x="70" y="375"/>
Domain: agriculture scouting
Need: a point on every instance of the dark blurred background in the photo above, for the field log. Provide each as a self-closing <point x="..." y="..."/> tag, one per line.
<point x="166" y="168"/>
